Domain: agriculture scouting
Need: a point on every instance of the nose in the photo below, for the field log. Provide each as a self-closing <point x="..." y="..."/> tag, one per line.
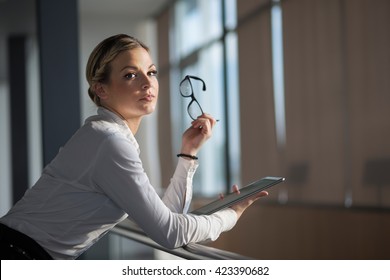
<point x="145" y="81"/>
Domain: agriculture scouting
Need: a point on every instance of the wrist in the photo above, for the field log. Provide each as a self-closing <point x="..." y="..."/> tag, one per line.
<point x="188" y="151"/>
<point x="187" y="156"/>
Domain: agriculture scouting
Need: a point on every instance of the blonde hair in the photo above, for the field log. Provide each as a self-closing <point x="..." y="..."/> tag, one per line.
<point x="98" y="68"/>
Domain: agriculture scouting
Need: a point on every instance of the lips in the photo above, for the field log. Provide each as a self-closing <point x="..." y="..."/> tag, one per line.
<point x="148" y="98"/>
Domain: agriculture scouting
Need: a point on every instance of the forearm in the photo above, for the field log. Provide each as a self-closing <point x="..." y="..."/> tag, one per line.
<point x="178" y="195"/>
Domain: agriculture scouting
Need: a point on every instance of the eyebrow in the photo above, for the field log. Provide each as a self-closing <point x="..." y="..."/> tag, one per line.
<point x="136" y="68"/>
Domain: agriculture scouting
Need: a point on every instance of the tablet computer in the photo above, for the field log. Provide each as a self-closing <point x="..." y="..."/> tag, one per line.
<point x="233" y="198"/>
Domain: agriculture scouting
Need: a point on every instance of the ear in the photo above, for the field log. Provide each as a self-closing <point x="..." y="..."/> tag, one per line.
<point x="100" y="91"/>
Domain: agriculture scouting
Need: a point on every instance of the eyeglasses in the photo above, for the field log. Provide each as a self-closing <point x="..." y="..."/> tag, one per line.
<point x="194" y="109"/>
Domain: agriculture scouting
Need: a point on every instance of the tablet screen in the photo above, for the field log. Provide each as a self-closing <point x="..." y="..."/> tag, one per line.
<point x="233" y="198"/>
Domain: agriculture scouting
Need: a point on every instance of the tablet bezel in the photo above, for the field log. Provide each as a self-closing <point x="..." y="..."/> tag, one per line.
<point x="233" y="198"/>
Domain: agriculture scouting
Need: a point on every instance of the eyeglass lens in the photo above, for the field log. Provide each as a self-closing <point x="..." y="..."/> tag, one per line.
<point x="194" y="109"/>
<point x="186" y="88"/>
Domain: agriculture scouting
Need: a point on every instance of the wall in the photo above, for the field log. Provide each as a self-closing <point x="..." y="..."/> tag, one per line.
<point x="296" y="232"/>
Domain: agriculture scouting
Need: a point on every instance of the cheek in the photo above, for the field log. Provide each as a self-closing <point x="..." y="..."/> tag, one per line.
<point x="120" y="88"/>
<point x="156" y="87"/>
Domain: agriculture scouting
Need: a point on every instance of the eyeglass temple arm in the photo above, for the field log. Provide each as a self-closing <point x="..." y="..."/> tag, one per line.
<point x="199" y="79"/>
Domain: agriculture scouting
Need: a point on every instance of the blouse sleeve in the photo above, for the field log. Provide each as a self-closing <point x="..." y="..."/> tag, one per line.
<point x="118" y="172"/>
<point x="178" y="195"/>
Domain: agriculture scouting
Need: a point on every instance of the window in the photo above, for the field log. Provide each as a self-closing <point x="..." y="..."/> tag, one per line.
<point x="200" y="47"/>
<point x="278" y="75"/>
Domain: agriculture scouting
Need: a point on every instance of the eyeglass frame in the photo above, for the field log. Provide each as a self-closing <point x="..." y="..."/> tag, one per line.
<point x="193" y="99"/>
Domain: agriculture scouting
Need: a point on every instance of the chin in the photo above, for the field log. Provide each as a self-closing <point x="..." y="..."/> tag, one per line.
<point x="149" y="111"/>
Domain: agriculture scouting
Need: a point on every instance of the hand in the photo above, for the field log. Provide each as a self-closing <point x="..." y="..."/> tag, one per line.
<point x="243" y="205"/>
<point x="196" y="135"/>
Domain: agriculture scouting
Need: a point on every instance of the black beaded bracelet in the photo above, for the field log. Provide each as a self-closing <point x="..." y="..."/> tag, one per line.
<point x="187" y="156"/>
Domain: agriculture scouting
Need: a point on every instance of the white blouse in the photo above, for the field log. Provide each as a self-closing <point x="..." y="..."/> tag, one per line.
<point x="96" y="181"/>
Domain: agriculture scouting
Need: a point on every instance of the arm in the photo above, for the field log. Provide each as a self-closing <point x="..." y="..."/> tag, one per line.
<point x="178" y="195"/>
<point x="119" y="174"/>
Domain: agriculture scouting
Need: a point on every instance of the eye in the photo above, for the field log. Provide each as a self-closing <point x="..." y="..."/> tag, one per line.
<point x="130" y="76"/>
<point x="153" y="73"/>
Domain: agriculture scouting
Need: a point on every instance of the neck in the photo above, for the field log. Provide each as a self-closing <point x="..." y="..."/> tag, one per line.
<point x="132" y="123"/>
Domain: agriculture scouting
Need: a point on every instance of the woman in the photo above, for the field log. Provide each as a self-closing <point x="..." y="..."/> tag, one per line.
<point x="97" y="179"/>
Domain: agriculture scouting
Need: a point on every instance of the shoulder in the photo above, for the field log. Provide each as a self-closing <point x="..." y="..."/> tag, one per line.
<point x="111" y="135"/>
<point x="106" y="131"/>
<point x="99" y="125"/>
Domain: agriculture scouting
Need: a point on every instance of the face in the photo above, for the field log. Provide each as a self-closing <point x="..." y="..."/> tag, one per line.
<point x="132" y="89"/>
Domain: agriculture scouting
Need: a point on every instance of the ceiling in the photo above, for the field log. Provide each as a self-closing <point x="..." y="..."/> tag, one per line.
<point x="18" y="16"/>
<point x="138" y="9"/>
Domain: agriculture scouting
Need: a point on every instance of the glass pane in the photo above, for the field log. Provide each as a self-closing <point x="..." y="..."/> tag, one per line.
<point x="231" y="14"/>
<point x="213" y="176"/>
<point x="278" y="75"/>
<point x="196" y="23"/>
<point x="233" y="108"/>
<point x="197" y="50"/>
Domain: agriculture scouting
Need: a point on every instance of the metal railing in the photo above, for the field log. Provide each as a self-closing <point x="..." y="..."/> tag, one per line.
<point x="192" y="251"/>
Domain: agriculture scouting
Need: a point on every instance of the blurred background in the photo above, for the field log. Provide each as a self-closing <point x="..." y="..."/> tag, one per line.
<point x="301" y="89"/>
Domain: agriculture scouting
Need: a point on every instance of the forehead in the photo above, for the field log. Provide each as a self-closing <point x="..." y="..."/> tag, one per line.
<point x="138" y="57"/>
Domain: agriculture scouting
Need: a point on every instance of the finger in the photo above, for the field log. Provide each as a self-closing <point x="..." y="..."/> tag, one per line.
<point x="202" y="120"/>
<point x="263" y="193"/>
<point x="259" y="195"/>
<point x="236" y="189"/>
<point x="212" y="120"/>
<point x="255" y="197"/>
<point x="221" y="196"/>
<point x="204" y="125"/>
<point x="208" y="117"/>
